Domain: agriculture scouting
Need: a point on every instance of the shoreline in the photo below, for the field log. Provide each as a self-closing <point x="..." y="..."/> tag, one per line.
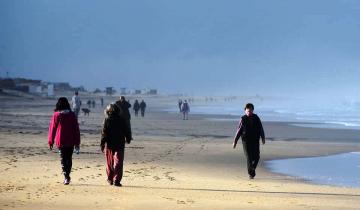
<point x="323" y="175"/>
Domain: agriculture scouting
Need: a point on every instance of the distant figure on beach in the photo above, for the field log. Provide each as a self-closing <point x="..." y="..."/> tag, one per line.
<point x="76" y="103"/>
<point x="93" y="103"/>
<point x="250" y="130"/>
<point x="142" y="108"/>
<point x="136" y="108"/>
<point x="123" y="109"/>
<point x="89" y="103"/>
<point x="114" y="134"/>
<point x="179" y="104"/>
<point x="102" y="102"/>
<point x="64" y="129"/>
<point x="185" y="109"/>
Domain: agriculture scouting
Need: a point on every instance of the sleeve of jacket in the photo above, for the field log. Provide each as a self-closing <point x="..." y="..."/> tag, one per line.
<point x="76" y="132"/>
<point x="127" y="130"/>
<point x="262" y="133"/>
<point x="52" y="129"/>
<point x="239" y="131"/>
<point x="104" y="133"/>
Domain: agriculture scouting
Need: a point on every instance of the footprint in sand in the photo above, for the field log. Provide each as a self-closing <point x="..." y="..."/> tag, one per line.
<point x="156" y="178"/>
<point x="181" y="202"/>
<point x="190" y="201"/>
<point x="170" y="199"/>
<point x="167" y="175"/>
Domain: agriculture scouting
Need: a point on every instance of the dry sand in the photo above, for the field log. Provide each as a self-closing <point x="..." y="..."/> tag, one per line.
<point x="171" y="164"/>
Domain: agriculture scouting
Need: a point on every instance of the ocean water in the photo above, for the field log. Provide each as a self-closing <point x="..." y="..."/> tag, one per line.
<point x="325" y="115"/>
<point x="338" y="170"/>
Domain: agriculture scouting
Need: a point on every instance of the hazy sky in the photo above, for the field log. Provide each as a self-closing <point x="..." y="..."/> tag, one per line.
<point x="277" y="47"/>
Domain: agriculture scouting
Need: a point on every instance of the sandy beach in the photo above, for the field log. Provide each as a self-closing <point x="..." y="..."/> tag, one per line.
<point x="171" y="164"/>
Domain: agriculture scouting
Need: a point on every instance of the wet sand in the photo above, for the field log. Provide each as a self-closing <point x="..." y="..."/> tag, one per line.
<point x="171" y="164"/>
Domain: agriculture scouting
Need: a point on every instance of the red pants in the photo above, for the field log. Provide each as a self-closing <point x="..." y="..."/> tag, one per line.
<point x="114" y="164"/>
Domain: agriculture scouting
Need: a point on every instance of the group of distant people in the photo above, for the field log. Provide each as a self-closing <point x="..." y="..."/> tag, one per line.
<point x="139" y="106"/>
<point x="64" y="132"/>
<point x="76" y="104"/>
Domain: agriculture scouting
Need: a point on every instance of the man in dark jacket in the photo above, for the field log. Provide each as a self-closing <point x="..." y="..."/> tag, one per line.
<point x="136" y="107"/>
<point x="114" y="134"/>
<point x="142" y="108"/>
<point x="123" y="107"/>
<point x="250" y="130"/>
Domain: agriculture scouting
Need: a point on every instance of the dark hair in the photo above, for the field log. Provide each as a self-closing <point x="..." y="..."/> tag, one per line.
<point x="62" y="104"/>
<point x="249" y="106"/>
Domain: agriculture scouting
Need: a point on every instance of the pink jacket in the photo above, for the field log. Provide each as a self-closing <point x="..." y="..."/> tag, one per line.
<point x="64" y="128"/>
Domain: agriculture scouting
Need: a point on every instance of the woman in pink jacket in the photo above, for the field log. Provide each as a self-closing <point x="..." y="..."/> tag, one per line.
<point x="64" y="129"/>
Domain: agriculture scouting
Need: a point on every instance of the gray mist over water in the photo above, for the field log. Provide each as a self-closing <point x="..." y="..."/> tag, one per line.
<point x="308" y="50"/>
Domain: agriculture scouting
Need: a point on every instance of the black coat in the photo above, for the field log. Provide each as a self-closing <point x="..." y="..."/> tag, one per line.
<point x="124" y="108"/>
<point x="114" y="132"/>
<point x="251" y="128"/>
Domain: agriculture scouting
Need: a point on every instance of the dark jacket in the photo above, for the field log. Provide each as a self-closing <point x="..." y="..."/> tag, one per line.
<point x="250" y="129"/>
<point x="136" y="106"/>
<point x="114" y="132"/>
<point x="142" y="105"/>
<point x="124" y="108"/>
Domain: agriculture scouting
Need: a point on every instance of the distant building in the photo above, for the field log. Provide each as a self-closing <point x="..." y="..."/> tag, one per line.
<point x="27" y="85"/>
<point x="50" y="90"/>
<point x="7" y="84"/>
<point x="80" y="89"/>
<point x="152" y="92"/>
<point x="62" y="86"/>
<point x="137" y="92"/>
<point x="35" y="89"/>
<point x="97" y="90"/>
<point x="109" y="91"/>
<point x="123" y="91"/>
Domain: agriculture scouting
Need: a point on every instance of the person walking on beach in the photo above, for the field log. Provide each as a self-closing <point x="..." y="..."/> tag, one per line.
<point x="179" y="104"/>
<point x="123" y="109"/>
<point x="142" y="108"/>
<point x="136" y="108"/>
<point x="89" y="103"/>
<point x="76" y="103"/>
<point x="102" y="102"/>
<point x="64" y="130"/>
<point x="185" y="109"/>
<point x="114" y="134"/>
<point x="250" y="130"/>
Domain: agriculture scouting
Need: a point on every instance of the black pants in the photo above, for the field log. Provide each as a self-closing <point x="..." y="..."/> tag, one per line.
<point x="252" y="153"/>
<point x="143" y="113"/>
<point x="66" y="160"/>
